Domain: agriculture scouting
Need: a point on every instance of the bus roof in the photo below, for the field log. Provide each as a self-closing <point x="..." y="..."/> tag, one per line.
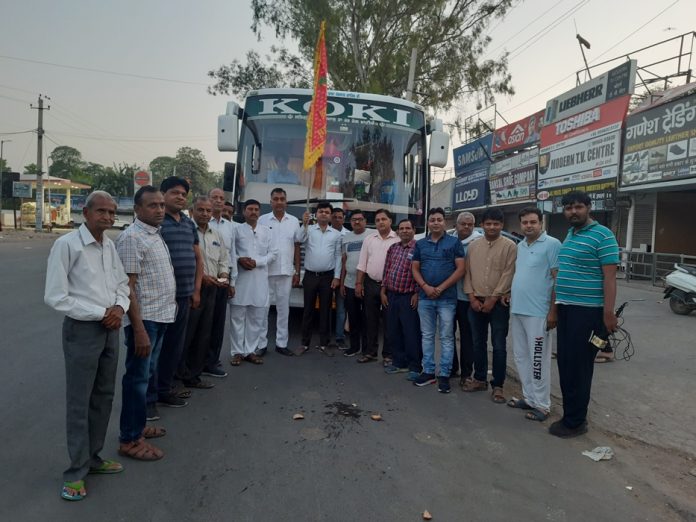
<point x="337" y="94"/>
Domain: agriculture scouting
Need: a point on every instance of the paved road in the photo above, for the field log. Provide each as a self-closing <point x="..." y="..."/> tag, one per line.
<point x="236" y="454"/>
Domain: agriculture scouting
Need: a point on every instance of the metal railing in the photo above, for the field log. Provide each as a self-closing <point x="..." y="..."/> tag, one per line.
<point x="651" y="266"/>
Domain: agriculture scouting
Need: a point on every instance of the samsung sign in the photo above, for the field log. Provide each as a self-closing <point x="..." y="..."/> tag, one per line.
<point x="471" y="162"/>
<point x="615" y="83"/>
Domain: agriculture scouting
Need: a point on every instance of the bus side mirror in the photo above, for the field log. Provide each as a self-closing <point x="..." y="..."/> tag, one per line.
<point x="228" y="128"/>
<point x="439" y="148"/>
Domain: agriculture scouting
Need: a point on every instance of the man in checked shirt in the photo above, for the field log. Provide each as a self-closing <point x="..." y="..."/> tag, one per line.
<point x="399" y="296"/>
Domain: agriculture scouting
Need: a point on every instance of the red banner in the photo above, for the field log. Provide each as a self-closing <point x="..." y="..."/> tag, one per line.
<point x="585" y="122"/>
<point x="316" y="121"/>
<point x="522" y="133"/>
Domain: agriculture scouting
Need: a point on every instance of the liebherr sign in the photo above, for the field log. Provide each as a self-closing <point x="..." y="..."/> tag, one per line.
<point x="613" y="84"/>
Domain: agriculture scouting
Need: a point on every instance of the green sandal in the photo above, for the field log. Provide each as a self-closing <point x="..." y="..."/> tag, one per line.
<point x="73" y="490"/>
<point x="107" y="467"/>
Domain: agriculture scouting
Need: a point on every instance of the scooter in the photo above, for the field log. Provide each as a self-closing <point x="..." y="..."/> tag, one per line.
<point x="681" y="289"/>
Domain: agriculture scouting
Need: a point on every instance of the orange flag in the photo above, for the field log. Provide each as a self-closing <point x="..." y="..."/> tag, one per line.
<point x="316" y="120"/>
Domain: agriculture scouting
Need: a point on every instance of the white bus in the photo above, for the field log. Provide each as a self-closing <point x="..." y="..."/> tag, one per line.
<point x="375" y="155"/>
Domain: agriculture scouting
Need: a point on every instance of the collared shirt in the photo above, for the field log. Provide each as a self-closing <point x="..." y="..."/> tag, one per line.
<point x="84" y="277"/>
<point x="461" y="294"/>
<point x="533" y="282"/>
<point x="352" y="243"/>
<point x="437" y="261"/>
<point x="398" y="276"/>
<point x="285" y="232"/>
<point x="143" y="252"/>
<point x="216" y="259"/>
<point x="490" y="266"/>
<point x="180" y="237"/>
<point x="322" y="250"/>
<point x="252" y="285"/>
<point x="374" y="252"/>
<point x="226" y="229"/>
<point x="580" y="279"/>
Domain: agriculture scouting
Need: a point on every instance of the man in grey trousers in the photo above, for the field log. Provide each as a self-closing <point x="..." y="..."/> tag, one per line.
<point x="85" y="280"/>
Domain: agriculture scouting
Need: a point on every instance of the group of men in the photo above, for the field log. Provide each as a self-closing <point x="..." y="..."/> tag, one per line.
<point x="173" y="282"/>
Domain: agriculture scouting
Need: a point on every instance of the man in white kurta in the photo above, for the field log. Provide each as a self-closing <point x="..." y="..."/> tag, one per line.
<point x="284" y="271"/>
<point x="254" y="249"/>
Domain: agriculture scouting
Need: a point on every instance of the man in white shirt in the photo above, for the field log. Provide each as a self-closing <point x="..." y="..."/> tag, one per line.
<point x="284" y="271"/>
<point x="338" y="217"/>
<point x="85" y="280"/>
<point x="225" y="227"/>
<point x="322" y="263"/>
<point x="255" y="250"/>
<point x="368" y="285"/>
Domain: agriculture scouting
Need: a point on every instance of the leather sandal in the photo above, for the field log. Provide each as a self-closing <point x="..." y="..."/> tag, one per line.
<point x="140" y="450"/>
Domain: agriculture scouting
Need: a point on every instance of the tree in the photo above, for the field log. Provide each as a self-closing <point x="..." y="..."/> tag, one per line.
<point x="66" y="162"/>
<point x="4" y="167"/>
<point x="369" y="48"/>
<point x="116" y="180"/>
<point x="32" y="168"/>
<point x="162" y="167"/>
<point x="192" y="166"/>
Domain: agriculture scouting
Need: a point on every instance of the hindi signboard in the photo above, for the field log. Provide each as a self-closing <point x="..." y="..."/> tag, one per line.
<point x="660" y="144"/>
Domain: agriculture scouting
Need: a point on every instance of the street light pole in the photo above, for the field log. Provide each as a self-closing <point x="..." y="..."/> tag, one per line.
<point x="2" y="170"/>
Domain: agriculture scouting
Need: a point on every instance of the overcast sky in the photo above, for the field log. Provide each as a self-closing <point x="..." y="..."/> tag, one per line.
<point x="115" y="118"/>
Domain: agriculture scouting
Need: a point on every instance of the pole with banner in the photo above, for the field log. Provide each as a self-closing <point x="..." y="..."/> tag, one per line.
<point x="316" y="119"/>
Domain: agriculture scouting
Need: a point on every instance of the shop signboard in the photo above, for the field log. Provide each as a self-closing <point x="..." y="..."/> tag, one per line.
<point x="471" y="162"/>
<point x="613" y="84"/>
<point x="660" y="144"/>
<point x="584" y="147"/>
<point x="523" y="133"/>
<point x="21" y="190"/>
<point x="513" y="179"/>
<point x="602" y="194"/>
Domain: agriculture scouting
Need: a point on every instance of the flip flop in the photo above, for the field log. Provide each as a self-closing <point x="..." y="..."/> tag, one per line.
<point x="107" y="467"/>
<point x="73" y="490"/>
<point x="154" y="432"/>
<point x="366" y="359"/>
<point x="601" y="360"/>
<point x="536" y="415"/>
<point x="519" y="403"/>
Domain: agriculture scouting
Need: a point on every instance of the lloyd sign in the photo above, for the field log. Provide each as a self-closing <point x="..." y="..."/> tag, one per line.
<point x="471" y="162"/>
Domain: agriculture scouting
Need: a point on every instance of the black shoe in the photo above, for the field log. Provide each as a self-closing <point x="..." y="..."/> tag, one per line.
<point x="326" y="350"/>
<point x="443" y="385"/>
<point x="199" y="384"/>
<point x="284" y="351"/>
<point x="151" y="413"/>
<point x="561" y="430"/>
<point x="172" y="401"/>
<point x="341" y="344"/>
<point x="260" y="352"/>
<point x="351" y="352"/>
<point x="217" y="372"/>
<point x="424" y="379"/>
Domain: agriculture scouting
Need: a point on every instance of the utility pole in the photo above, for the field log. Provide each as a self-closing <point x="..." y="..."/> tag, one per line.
<point x="2" y="169"/>
<point x="39" y="164"/>
<point x="411" y="74"/>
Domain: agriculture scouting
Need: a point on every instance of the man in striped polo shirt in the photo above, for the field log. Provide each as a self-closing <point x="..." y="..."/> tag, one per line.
<point x="585" y="295"/>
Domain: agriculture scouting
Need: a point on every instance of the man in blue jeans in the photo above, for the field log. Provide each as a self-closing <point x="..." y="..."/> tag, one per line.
<point x="437" y="264"/>
<point x="490" y="263"/>
<point x="145" y="258"/>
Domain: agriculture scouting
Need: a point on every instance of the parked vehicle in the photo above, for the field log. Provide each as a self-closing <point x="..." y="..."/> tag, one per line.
<point x="681" y="289"/>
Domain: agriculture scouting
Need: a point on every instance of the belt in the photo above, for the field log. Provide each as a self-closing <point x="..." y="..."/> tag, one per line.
<point x="319" y="274"/>
<point x="368" y="278"/>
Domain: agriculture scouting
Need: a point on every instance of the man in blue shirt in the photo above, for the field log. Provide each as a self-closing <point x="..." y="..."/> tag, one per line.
<point x="585" y="298"/>
<point x="533" y="314"/>
<point x="437" y="264"/>
<point x="181" y="237"/>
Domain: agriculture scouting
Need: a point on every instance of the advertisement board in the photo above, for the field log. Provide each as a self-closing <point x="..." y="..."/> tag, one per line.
<point x="617" y="82"/>
<point x="522" y="133"/>
<point x="602" y="194"/>
<point x="513" y="180"/>
<point x="21" y="190"/>
<point x="583" y="147"/>
<point x="471" y="162"/>
<point x="660" y="144"/>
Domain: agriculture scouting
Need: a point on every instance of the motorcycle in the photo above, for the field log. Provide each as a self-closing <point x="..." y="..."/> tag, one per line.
<point x="681" y="289"/>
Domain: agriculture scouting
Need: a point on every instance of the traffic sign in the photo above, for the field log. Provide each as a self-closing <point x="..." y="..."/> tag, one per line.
<point x="141" y="178"/>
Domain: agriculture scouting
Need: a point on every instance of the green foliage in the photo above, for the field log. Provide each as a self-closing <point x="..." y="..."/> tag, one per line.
<point x="369" y="48"/>
<point x="32" y="168"/>
<point x="192" y="165"/>
<point x="116" y="180"/>
<point x="66" y="162"/>
<point x="162" y="167"/>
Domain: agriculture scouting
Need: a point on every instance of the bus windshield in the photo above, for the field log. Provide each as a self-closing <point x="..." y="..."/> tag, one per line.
<point x="373" y="158"/>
